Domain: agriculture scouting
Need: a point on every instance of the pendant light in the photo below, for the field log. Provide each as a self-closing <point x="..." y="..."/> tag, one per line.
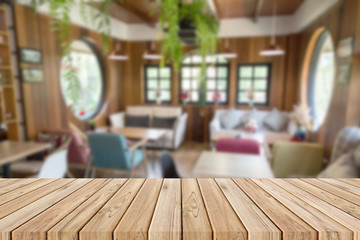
<point x="152" y="54"/>
<point x="118" y="54"/>
<point x="273" y="49"/>
<point x="227" y="53"/>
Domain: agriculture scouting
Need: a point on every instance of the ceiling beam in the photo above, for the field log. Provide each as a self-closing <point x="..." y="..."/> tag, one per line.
<point x="259" y="5"/>
<point x="212" y="8"/>
<point x="125" y="5"/>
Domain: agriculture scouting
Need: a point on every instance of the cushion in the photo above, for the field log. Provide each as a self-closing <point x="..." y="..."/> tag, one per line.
<point x="164" y="122"/>
<point x="139" y="110"/>
<point x="229" y="119"/>
<point x="276" y="121"/>
<point x="166" y="112"/>
<point x="344" y="167"/>
<point x="253" y="114"/>
<point x="236" y="145"/>
<point x="137" y="121"/>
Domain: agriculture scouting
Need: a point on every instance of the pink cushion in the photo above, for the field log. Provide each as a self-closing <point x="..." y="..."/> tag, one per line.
<point x="235" y="145"/>
<point x="78" y="153"/>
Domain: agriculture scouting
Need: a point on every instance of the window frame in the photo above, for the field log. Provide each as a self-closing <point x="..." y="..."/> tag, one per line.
<point x="216" y="64"/>
<point x="99" y="58"/>
<point x="158" y="80"/>
<point x="268" y="83"/>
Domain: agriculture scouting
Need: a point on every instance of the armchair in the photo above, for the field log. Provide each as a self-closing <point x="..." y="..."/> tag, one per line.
<point x="297" y="159"/>
<point x="110" y="150"/>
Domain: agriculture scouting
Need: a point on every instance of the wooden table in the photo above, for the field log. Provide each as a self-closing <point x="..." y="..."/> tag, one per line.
<point x="12" y="151"/>
<point x="219" y="164"/>
<point x="150" y="134"/>
<point x="180" y="209"/>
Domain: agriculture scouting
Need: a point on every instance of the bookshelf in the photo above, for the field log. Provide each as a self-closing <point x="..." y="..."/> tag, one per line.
<point x="8" y="106"/>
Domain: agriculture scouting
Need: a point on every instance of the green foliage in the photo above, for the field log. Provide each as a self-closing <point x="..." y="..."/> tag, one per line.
<point x="207" y="28"/>
<point x="171" y="14"/>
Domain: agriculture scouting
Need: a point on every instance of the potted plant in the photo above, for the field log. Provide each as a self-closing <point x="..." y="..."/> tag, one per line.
<point x="184" y="97"/>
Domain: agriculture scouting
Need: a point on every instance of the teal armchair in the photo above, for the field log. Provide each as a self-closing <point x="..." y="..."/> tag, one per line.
<point x="110" y="150"/>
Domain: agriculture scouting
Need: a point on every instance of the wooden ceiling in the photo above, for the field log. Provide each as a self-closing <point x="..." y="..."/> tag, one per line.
<point x="147" y="11"/>
<point x="248" y="8"/>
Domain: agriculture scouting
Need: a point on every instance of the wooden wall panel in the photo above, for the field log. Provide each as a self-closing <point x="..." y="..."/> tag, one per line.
<point x="43" y="102"/>
<point x="340" y="21"/>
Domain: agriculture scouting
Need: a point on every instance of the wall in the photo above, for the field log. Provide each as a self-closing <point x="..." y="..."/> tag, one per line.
<point x="342" y="20"/>
<point x="283" y="79"/>
<point x="43" y="102"/>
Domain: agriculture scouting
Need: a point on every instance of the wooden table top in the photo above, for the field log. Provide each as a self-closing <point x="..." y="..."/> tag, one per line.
<point x="220" y="164"/>
<point x="11" y="151"/>
<point x="179" y="208"/>
<point x="150" y="134"/>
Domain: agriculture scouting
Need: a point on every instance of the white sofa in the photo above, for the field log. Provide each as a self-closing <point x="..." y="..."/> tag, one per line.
<point x="173" y="137"/>
<point x="216" y="126"/>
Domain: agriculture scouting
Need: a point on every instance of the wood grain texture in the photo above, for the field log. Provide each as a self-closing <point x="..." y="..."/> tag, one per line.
<point x="354" y="198"/>
<point x="292" y="226"/>
<point x="101" y="226"/>
<point x="330" y="198"/>
<point x="324" y="225"/>
<point x="347" y="220"/>
<point x="73" y="222"/>
<point x="14" y="220"/>
<point x="224" y="221"/>
<point x="166" y="221"/>
<point x="195" y="221"/>
<point x="106" y="209"/>
<point x="14" y="184"/>
<point x="6" y="197"/>
<point x="258" y="225"/>
<point x="37" y="227"/>
<point x="137" y="219"/>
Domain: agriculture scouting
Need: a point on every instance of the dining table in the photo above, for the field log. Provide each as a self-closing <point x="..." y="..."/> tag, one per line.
<point x="13" y="151"/>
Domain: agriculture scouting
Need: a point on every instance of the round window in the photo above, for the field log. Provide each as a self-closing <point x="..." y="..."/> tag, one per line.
<point x="322" y="75"/>
<point x="82" y="79"/>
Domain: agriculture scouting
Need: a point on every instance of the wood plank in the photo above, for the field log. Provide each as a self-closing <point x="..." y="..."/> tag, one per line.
<point x="327" y="228"/>
<point x="328" y="197"/>
<point x="137" y="219"/>
<point x="166" y="221"/>
<point x="17" y="183"/>
<point x="16" y="219"/>
<point x="338" y="215"/>
<point x="223" y="219"/>
<point x="354" y="182"/>
<point x="30" y="197"/>
<point x="258" y="225"/>
<point x="38" y="226"/>
<point x="71" y="224"/>
<point x="104" y="221"/>
<point x="354" y="198"/>
<point x="196" y="224"/>
<point x="343" y="185"/>
<point x="6" y="197"/>
<point x="291" y="225"/>
<point x="8" y="182"/>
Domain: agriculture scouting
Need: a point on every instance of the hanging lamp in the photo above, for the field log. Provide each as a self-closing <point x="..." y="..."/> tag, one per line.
<point x="151" y="53"/>
<point x="273" y="49"/>
<point x="118" y="54"/>
<point x="227" y="53"/>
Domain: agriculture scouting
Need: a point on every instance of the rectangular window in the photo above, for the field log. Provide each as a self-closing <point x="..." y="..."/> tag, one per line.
<point x="253" y="80"/>
<point x="157" y="83"/>
<point x="217" y="79"/>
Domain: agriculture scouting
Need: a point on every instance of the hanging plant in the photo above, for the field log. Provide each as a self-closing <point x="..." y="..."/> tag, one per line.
<point x="172" y="12"/>
<point x="60" y="11"/>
